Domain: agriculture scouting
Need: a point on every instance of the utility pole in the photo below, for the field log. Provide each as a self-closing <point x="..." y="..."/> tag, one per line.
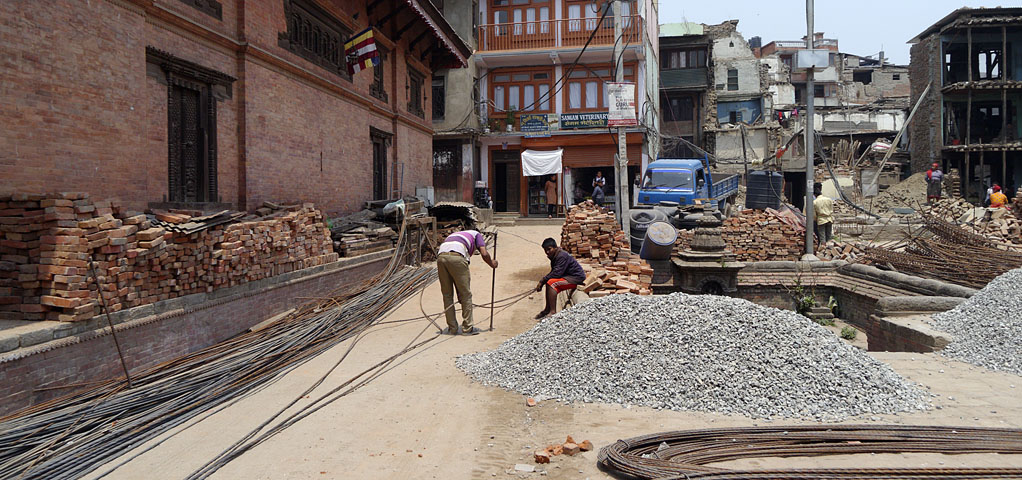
<point x="810" y="136"/>
<point x="621" y="165"/>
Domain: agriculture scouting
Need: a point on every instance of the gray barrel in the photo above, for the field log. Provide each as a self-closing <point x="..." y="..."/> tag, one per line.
<point x="659" y="241"/>
<point x="641" y="220"/>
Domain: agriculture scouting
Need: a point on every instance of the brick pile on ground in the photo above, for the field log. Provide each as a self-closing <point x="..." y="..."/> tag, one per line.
<point x="49" y="240"/>
<point x="834" y="250"/>
<point x="755" y="236"/>
<point x="570" y="448"/>
<point x="996" y="224"/>
<point x="591" y="234"/>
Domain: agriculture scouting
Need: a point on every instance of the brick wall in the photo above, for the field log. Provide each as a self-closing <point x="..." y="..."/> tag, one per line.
<point x="83" y="115"/>
<point x="151" y="340"/>
<point x="925" y="129"/>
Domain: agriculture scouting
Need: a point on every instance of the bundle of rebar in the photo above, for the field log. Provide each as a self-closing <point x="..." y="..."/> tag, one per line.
<point x="949" y="253"/>
<point x="76" y="434"/>
<point x="687" y="454"/>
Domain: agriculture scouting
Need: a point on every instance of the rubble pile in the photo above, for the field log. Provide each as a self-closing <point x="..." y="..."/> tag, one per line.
<point x="47" y="242"/>
<point x="846" y="251"/>
<point x="997" y="224"/>
<point x="695" y="352"/>
<point x="569" y="448"/>
<point x="986" y="329"/>
<point x="756" y="235"/>
<point x="908" y="193"/>
<point x="591" y="235"/>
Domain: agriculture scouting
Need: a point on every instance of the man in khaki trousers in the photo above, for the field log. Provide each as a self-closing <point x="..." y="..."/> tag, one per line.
<point x="452" y="267"/>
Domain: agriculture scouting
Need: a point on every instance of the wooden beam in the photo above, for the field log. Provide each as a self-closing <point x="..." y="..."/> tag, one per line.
<point x="402" y="30"/>
<point x="411" y="45"/>
<point x="427" y="51"/>
<point x="372" y="6"/>
<point x="393" y="12"/>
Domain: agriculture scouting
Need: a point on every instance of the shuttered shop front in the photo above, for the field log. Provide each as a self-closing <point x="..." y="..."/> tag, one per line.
<point x="598" y="156"/>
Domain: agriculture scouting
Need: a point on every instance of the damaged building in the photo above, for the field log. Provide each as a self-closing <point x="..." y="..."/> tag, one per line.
<point x="968" y="121"/>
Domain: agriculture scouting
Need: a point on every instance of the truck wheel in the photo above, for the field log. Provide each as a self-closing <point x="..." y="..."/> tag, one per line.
<point x="729" y="208"/>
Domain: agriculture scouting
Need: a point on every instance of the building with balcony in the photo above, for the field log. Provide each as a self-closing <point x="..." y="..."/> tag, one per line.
<point x="684" y="82"/>
<point x="972" y="61"/>
<point x="542" y="68"/>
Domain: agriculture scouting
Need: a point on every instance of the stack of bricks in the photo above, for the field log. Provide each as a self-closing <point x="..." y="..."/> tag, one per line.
<point x="755" y="236"/>
<point x="591" y="234"/>
<point x="48" y="240"/>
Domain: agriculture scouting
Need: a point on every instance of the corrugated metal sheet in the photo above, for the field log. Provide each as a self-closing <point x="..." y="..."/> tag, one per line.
<point x="684" y="78"/>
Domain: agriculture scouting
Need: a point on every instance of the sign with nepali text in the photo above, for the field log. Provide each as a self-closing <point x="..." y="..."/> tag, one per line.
<point x="584" y="120"/>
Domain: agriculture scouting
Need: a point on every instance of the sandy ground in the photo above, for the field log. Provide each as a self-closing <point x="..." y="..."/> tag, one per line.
<point x="426" y="419"/>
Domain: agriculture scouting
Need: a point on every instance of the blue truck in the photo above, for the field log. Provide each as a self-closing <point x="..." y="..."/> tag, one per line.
<point x="683" y="181"/>
<point x="670" y="189"/>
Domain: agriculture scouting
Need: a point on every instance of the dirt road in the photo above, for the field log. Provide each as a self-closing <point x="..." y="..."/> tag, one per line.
<point x="425" y="419"/>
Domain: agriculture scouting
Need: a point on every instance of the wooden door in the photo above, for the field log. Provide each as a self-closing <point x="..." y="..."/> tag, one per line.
<point x="188" y="159"/>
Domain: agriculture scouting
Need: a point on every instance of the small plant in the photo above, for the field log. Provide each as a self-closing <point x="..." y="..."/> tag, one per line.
<point x="804" y="296"/>
<point x="833" y="306"/>
<point x="848" y="333"/>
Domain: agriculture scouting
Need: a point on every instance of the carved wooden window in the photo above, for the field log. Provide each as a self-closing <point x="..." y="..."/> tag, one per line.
<point x="415" y="85"/>
<point x="192" y="95"/>
<point x="315" y="35"/>
<point x="379" y="87"/>
<point x="209" y="7"/>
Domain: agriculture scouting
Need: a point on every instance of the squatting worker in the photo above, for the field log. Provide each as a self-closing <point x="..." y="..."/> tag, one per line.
<point x="565" y="273"/>
<point x="998" y="199"/>
<point x="452" y="267"/>
<point x="934" y="178"/>
<point x="824" y="207"/>
<point x="551" y="196"/>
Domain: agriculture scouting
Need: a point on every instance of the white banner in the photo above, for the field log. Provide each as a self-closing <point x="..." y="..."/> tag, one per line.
<point x="621" y="100"/>
<point x="536" y="163"/>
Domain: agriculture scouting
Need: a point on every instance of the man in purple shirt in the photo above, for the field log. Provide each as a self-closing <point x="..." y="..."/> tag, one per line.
<point x="452" y="267"/>
<point x="565" y="274"/>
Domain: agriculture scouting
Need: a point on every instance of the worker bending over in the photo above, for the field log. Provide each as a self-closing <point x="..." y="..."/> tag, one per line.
<point x="452" y="267"/>
<point x="565" y="274"/>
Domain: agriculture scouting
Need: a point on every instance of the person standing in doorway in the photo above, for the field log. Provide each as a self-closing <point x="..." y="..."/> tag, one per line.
<point x="635" y="190"/>
<point x="934" y="182"/>
<point x="551" y="196"/>
<point x="824" y="207"/>
<point x="599" y="183"/>
<point x="452" y="267"/>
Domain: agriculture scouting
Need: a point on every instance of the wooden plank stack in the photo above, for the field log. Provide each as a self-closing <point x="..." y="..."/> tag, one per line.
<point x="48" y="241"/>
<point x="363" y="240"/>
<point x="591" y="234"/>
<point x="755" y="236"/>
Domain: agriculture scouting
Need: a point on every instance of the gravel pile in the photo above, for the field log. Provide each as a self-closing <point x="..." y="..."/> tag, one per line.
<point x="986" y="329"/>
<point x="695" y="352"/>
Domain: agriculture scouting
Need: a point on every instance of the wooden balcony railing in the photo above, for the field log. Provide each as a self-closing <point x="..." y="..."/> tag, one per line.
<point x="571" y="32"/>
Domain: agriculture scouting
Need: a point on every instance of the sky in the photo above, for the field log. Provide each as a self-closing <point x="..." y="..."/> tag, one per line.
<point x="862" y="27"/>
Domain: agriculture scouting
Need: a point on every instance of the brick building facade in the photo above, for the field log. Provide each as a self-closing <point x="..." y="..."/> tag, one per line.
<point x="218" y="101"/>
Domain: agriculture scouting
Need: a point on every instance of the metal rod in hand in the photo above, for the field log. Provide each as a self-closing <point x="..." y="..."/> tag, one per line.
<point x="106" y="311"/>
<point x="493" y="280"/>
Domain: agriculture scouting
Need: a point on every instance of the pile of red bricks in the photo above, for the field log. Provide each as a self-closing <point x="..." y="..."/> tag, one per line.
<point x="47" y="242"/>
<point x="591" y="234"/>
<point x="755" y="236"/>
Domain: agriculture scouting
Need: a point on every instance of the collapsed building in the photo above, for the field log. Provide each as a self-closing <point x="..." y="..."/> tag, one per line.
<point x="968" y="118"/>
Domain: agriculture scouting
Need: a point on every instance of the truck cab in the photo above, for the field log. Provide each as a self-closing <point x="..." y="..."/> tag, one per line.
<point x="685" y="181"/>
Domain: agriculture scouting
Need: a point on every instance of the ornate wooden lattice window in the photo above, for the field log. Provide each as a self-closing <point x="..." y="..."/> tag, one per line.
<point x="209" y="7"/>
<point x="415" y="93"/>
<point x="379" y="87"/>
<point x="315" y="35"/>
<point x="192" y="95"/>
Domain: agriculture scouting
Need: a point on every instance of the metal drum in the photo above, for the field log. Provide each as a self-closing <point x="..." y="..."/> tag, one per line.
<point x="659" y="241"/>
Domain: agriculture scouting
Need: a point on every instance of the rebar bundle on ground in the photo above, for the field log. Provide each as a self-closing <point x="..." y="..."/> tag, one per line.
<point x="686" y="454"/>
<point x="952" y="254"/>
<point x="75" y="434"/>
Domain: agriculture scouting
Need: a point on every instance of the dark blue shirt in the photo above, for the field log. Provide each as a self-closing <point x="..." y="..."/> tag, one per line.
<point x="563" y="265"/>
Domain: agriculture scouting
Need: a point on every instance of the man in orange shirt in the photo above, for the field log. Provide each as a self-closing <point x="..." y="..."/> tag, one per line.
<point x="998" y="199"/>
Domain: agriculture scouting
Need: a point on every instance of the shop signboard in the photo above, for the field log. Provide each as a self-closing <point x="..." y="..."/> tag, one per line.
<point x="621" y="97"/>
<point x="535" y="125"/>
<point x="584" y="120"/>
